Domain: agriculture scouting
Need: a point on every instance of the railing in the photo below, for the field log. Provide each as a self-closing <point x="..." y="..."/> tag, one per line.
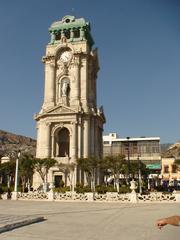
<point x="157" y="197"/>
<point x="107" y="197"/>
<point x="36" y="195"/>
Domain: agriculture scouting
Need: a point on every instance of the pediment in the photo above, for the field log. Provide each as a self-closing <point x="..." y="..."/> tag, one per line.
<point x="60" y="109"/>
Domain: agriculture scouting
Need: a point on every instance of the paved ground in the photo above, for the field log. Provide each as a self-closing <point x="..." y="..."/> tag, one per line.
<point x="90" y="221"/>
<point x="9" y="222"/>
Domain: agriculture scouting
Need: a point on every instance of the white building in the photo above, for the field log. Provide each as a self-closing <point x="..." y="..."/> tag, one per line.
<point x="147" y="149"/>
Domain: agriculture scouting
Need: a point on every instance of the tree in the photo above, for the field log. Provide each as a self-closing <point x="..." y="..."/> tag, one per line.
<point x="134" y="169"/>
<point x="89" y="166"/>
<point x="114" y="166"/>
<point x="26" y="169"/>
<point x="42" y="166"/>
<point x="7" y="171"/>
<point x="68" y="170"/>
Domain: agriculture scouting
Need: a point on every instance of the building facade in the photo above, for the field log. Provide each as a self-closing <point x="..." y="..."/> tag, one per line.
<point x="147" y="149"/>
<point x="169" y="171"/>
<point x="69" y="124"/>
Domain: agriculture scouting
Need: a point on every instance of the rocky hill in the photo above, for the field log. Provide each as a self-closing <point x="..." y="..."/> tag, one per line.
<point x="10" y="143"/>
<point x="165" y="147"/>
<point x="173" y="151"/>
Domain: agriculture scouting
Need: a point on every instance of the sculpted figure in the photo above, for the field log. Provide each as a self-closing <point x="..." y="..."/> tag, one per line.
<point x="64" y="88"/>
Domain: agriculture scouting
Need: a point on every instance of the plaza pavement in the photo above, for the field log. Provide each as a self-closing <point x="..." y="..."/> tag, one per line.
<point x="9" y="222"/>
<point x="90" y="221"/>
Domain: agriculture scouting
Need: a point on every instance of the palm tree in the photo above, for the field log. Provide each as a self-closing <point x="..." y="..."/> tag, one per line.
<point x="114" y="165"/>
<point x="7" y="171"/>
<point x="26" y="169"/>
<point x="42" y="166"/>
<point x="68" y="170"/>
<point x="89" y="166"/>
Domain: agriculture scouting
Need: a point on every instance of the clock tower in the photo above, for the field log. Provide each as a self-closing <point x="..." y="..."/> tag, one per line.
<point x="69" y="124"/>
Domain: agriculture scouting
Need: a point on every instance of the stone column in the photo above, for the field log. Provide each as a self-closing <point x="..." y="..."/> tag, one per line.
<point x="49" y="90"/>
<point x="71" y="34"/>
<point x="74" y="145"/>
<point x="48" y="139"/>
<point x="86" y="138"/>
<point x="62" y="34"/>
<point x="38" y="139"/>
<point x="85" y="146"/>
<point x="92" y="137"/>
<point x="43" y="148"/>
<point x="52" y="37"/>
<point x="76" y="85"/>
<point x="52" y="146"/>
<point x="80" y="140"/>
<point x="95" y="138"/>
<point x="84" y="84"/>
<point x="82" y="34"/>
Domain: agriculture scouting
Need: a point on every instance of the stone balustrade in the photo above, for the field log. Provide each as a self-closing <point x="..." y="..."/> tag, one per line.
<point x="157" y="197"/>
<point x="108" y="197"/>
<point x="36" y="195"/>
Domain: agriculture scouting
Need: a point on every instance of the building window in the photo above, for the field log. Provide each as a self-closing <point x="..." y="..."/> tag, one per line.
<point x="76" y="33"/>
<point x="67" y="34"/>
<point x="58" y="36"/>
<point x="116" y="143"/>
<point x="173" y="168"/>
<point x="166" y="169"/>
<point x="106" y="142"/>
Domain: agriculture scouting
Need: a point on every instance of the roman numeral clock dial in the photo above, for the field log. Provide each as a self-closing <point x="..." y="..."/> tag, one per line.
<point x="65" y="56"/>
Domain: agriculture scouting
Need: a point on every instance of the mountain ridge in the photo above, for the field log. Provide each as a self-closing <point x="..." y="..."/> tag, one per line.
<point x="173" y="151"/>
<point x="10" y="142"/>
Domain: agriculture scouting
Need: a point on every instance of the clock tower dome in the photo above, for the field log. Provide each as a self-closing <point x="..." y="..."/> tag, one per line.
<point x="69" y="124"/>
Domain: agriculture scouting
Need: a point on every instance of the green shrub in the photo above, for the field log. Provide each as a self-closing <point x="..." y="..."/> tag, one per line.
<point x="62" y="189"/>
<point x="124" y="189"/>
<point x="159" y="188"/>
<point x="110" y="188"/>
<point x="101" y="189"/>
<point x="4" y="188"/>
<point x="80" y="188"/>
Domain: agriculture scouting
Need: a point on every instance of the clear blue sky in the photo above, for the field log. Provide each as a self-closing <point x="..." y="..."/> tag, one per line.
<point x="139" y="52"/>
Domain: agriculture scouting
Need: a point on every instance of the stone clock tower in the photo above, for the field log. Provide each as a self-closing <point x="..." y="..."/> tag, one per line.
<point x="69" y="124"/>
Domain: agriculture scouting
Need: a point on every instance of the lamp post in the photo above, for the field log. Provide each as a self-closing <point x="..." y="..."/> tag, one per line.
<point x="14" y="194"/>
<point x="139" y="174"/>
<point x="128" y="158"/>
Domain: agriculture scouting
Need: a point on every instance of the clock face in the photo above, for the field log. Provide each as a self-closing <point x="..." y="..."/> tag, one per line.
<point x="65" y="56"/>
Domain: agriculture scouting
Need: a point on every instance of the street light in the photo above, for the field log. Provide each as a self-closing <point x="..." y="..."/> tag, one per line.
<point x="139" y="174"/>
<point x="128" y="158"/>
<point x="14" y="194"/>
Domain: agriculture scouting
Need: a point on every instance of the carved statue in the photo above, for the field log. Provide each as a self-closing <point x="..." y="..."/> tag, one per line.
<point x="64" y="88"/>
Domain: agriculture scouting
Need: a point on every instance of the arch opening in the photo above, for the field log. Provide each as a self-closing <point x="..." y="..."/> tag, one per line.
<point x="63" y="142"/>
